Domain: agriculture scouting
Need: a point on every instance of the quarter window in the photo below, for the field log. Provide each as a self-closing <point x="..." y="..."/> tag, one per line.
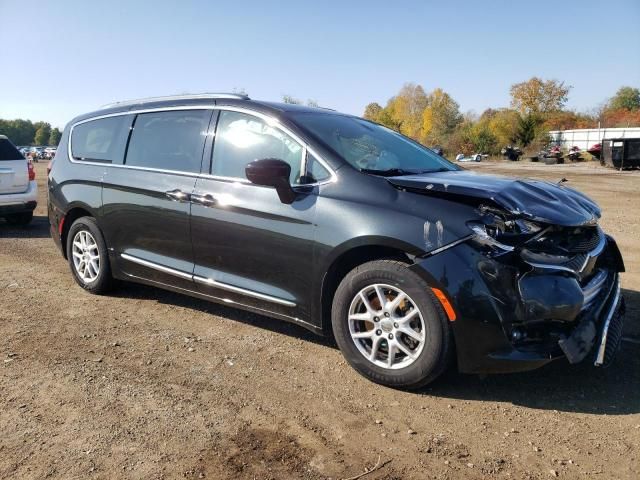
<point x="315" y="171"/>
<point x="171" y="140"/>
<point x="101" y="140"/>
<point x="242" y="138"/>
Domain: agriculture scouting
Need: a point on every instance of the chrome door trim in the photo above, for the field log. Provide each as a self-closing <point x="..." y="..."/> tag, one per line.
<point x="120" y="114"/>
<point x="155" y="266"/>
<point x="206" y="281"/>
<point x="267" y="118"/>
<point x="262" y="311"/>
<point x="250" y="293"/>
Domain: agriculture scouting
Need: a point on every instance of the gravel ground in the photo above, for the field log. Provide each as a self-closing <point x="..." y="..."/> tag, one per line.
<point x="150" y="384"/>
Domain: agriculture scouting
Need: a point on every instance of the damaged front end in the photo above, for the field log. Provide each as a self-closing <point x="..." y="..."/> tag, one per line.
<point x="536" y="278"/>
<point x="556" y="287"/>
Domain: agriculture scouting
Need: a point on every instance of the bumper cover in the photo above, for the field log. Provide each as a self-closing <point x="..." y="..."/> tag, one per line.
<point x="499" y="303"/>
<point x="20" y="202"/>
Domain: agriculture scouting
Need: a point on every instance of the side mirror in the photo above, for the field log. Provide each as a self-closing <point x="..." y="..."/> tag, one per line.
<point x="272" y="172"/>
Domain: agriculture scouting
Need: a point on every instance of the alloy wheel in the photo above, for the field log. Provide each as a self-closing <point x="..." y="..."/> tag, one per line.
<point x="386" y="326"/>
<point x="86" y="257"/>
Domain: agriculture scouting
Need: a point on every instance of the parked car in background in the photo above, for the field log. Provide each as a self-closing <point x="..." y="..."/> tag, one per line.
<point x="438" y="150"/>
<point x="18" y="187"/>
<point x="512" y="153"/>
<point x="476" y="157"/>
<point x="49" y="152"/>
<point x="339" y="225"/>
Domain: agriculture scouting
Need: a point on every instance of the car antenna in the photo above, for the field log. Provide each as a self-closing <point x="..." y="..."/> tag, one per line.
<point x="562" y="180"/>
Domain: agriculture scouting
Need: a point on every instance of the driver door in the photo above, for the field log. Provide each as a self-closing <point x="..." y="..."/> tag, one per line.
<point x="248" y="246"/>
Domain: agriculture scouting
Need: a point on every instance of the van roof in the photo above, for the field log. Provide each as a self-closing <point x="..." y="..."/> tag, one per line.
<point x="228" y="99"/>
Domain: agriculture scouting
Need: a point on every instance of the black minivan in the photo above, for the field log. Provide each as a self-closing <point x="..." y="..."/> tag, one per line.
<point x="340" y="225"/>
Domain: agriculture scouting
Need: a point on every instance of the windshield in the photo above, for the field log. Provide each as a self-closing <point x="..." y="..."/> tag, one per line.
<point x="370" y="147"/>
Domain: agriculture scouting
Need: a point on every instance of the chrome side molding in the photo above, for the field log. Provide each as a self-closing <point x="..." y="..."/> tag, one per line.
<point x="605" y="330"/>
<point x="207" y="281"/>
<point x="250" y="293"/>
<point x="155" y="266"/>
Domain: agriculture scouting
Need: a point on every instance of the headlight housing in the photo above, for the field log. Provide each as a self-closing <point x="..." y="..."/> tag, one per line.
<point x="502" y="232"/>
<point x="487" y="237"/>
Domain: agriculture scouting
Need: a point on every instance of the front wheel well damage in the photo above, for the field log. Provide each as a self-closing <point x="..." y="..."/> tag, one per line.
<point x="70" y="217"/>
<point x="346" y="262"/>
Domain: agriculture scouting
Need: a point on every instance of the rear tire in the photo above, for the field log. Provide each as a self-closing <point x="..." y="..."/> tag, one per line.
<point x="375" y="336"/>
<point x="20" y="219"/>
<point x="88" y="256"/>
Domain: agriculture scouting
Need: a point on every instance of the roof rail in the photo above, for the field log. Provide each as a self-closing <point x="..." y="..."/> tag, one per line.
<point x="195" y="96"/>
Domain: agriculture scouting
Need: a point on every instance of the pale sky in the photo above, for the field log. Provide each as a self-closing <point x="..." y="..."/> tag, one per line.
<point x="66" y="57"/>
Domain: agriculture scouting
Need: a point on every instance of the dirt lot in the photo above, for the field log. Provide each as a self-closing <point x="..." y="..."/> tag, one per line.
<point x="149" y="384"/>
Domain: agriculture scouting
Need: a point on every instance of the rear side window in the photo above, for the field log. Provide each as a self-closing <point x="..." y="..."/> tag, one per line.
<point x="8" y="151"/>
<point x="101" y="140"/>
<point x="171" y="140"/>
<point x="243" y="138"/>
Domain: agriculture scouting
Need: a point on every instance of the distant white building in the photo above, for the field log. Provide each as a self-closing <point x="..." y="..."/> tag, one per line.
<point x="586" y="137"/>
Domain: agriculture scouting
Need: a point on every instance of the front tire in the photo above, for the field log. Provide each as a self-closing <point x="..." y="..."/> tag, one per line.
<point x="389" y="326"/>
<point x="88" y="256"/>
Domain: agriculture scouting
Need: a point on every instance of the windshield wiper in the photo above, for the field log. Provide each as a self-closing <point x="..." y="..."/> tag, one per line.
<point x="393" y="172"/>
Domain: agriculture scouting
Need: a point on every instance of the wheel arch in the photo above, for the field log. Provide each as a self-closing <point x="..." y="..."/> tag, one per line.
<point x="348" y="256"/>
<point x="75" y="212"/>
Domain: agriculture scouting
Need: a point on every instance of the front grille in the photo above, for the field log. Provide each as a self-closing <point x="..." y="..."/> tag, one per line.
<point x="586" y="241"/>
<point x="563" y="241"/>
<point x="577" y="262"/>
<point x="573" y="249"/>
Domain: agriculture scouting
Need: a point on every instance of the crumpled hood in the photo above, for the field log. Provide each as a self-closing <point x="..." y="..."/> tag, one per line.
<point x="533" y="199"/>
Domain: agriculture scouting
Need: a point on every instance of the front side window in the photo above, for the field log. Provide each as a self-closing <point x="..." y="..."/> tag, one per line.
<point x="242" y="138"/>
<point x="172" y="140"/>
<point x="370" y="147"/>
<point x="101" y="140"/>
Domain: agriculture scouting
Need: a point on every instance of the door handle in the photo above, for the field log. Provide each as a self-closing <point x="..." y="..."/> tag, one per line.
<point x="204" y="199"/>
<point x="177" y="195"/>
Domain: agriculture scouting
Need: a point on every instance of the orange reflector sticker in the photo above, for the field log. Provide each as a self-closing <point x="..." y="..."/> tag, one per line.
<point x="445" y="303"/>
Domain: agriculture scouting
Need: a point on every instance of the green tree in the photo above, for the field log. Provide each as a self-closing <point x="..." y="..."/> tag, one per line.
<point x="503" y="125"/>
<point x="439" y="118"/>
<point x="43" y="132"/>
<point x="21" y="132"/>
<point x="527" y="126"/>
<point x="291" y="100"/>
<point x="372" y="112"/>
<point x="404" y="111"/>
<point x="54" y="137"/>
<point x="461" y="139"/>
<point x="626" y="98"/>
<point x="483" y="140"/>
<point x="537" y="96"/>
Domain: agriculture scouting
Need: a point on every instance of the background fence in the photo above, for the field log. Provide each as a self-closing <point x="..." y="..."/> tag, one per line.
<point x="585" y="138"/>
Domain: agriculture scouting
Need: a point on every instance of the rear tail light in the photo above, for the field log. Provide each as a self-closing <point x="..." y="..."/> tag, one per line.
<point x="32" y="172"/>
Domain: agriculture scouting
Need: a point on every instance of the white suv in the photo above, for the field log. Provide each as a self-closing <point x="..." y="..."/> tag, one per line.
<point x="18" y="187"/>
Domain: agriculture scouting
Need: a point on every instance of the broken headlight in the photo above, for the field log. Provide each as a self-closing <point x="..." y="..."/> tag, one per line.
<point x="501" y="232"/>
<point x="487" y="237"/>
